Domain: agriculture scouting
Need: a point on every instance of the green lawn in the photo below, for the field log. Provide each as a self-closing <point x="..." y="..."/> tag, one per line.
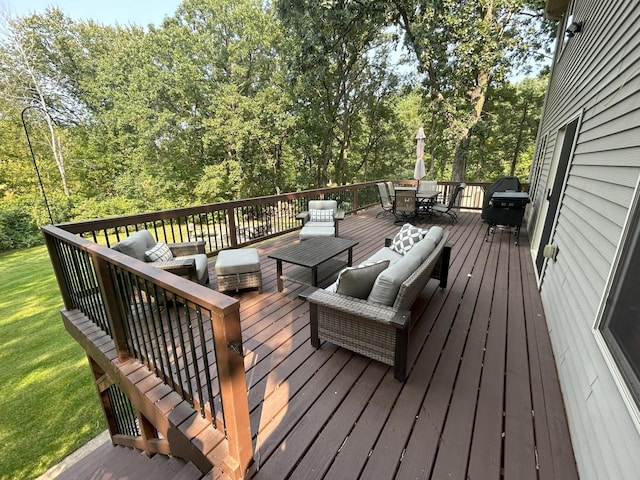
<point x="48" y="403"/>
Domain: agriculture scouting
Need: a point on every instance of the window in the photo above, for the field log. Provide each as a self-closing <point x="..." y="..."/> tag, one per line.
<point x="620" y="324"/>
<point x="534" y="177"/>
<point x="563" y="36"/>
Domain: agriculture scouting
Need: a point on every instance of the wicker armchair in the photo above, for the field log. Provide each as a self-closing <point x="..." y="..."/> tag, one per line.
<point x="375" y="331"/>
<point x="187" y="258"/>
<point x="321" y="220"/>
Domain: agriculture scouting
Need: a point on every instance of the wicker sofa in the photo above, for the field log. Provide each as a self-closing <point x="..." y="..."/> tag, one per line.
<point x="379" y="326"/>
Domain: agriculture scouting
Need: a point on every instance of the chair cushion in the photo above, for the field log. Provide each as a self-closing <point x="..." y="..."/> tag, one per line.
<point x="406" y="238"/>
<point x="386" y="287"/>
<point x="317" y="229"/>
<point x="321" y="215"/>
<point x="241" y="260"/>
<point x="202" y="266"/>
<point x="323" y="205"/>
<point x="160" y="251"/>
<point x="357" y="281"/>
<point x="136" y="245"/>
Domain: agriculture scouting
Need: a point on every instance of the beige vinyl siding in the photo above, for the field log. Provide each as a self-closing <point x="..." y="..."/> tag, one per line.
<point x="598" y="75"/>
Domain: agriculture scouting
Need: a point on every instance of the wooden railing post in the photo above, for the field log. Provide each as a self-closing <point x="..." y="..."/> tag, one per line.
<point x="56" y="262"/>
<point x="233" y="237"/>
<point x="355" y="199"/>
<point x="111" y="301"/>
<point x="233" y="387"/>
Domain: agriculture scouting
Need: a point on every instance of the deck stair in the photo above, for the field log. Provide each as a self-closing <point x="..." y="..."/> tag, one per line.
<point x="124" y="463"/>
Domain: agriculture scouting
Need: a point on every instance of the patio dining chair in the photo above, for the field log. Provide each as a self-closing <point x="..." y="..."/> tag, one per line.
<point x="391" y="188"/>
<point x="448" y="208"/>
<point x="426" y="187"/>
<point x="385" y="200"/>
<point x="406" y="206"/>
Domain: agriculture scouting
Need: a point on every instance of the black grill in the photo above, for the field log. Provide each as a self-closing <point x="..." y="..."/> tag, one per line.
<point x="505" y="208"/>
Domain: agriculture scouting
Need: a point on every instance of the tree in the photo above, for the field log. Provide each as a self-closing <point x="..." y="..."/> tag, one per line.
<point x="502" y="141"/>
<point x="25" y="89"/>
<point x="338" y="58"/>
<point x="462" y="47"/>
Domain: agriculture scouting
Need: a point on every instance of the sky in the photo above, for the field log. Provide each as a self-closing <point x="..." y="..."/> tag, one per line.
<point x="107" y="12"/>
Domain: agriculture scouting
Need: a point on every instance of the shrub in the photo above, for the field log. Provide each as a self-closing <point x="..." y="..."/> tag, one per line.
<point x="18" y="229"/>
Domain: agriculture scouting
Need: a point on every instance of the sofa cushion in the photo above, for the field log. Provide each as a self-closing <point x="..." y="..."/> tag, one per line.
<point x="386" y="287"/>
<point x="423" y="249"/>
<point x="321" y="215"/>
<point x="406" y="238"/>
<point x="136" y="245"/>
<point x="435" y="233"/>
<point x="357" y="281"/>
<point x="385" y="253"/>
<point x="160" y="251"/>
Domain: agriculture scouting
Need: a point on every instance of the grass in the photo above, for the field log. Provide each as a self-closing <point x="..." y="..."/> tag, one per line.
<point x="48" y="406"/>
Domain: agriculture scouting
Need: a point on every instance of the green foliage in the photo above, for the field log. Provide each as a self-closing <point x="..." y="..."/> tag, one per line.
<point x="48" y="407"/>
<point x="228" y="100"/>
<point x="107" y="207"/>
<point x="219" y="183"/>
<point x="17" y="229"/>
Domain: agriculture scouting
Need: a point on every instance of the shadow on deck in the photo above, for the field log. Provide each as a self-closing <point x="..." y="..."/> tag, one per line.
<point x="482" y="399"/>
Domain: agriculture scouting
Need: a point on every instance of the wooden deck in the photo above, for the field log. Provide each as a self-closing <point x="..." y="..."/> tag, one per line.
<point x="482" y="399"/>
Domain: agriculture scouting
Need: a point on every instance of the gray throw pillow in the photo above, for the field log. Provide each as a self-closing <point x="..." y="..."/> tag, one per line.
<point x="358" y="281"/>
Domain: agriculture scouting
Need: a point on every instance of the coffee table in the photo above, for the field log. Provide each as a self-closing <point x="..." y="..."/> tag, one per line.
<point x="316" y="259"/>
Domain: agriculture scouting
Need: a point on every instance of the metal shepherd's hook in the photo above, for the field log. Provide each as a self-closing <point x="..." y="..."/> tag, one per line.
<point x="33" y="157"/>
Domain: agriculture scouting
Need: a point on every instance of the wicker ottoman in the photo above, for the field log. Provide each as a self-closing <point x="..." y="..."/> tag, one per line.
<point x="238" y="268"/>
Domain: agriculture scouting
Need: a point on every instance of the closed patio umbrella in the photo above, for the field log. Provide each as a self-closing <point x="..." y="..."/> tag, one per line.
<point x="419" y="170"/>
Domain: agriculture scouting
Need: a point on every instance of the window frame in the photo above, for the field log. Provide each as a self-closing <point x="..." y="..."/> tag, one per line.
<point x="617" y="363"/>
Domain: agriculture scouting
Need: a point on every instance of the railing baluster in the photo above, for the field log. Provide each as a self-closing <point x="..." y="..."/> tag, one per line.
<point x="205" y="361"/>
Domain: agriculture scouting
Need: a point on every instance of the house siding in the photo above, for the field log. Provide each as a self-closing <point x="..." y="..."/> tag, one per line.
<point x="596" y="76"/>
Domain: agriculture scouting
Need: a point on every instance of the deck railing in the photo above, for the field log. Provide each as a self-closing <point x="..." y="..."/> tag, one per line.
<point x="244" y="222"/>
<point x="166" y="321"/>
<point x="227" y="224"/>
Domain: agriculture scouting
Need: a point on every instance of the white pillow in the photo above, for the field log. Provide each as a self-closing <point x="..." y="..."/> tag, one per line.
<point x="358" y="281"/>
<point x="406" y="238"/>
<point x="160" y="252"/>
<point x="325" y="215"/>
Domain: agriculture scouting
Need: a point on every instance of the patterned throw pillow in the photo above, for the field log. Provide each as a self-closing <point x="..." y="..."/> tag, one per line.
<point x="406" y="238"/>
<point x="358" y="281"/>
<point x="160" y="252"/>
<point x="321" y="215"/>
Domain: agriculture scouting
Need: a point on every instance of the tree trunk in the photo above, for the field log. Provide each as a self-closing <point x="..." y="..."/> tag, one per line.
<point x="519" y="141"/>
<point x="459" y="168"/>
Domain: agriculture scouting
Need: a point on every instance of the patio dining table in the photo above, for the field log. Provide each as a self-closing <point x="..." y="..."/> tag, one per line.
<point x="424" y="199"/>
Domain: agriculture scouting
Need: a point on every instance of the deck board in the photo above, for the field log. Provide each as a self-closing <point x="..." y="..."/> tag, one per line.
<point x="466" y="409"/>
<point x="481" y="400"/>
